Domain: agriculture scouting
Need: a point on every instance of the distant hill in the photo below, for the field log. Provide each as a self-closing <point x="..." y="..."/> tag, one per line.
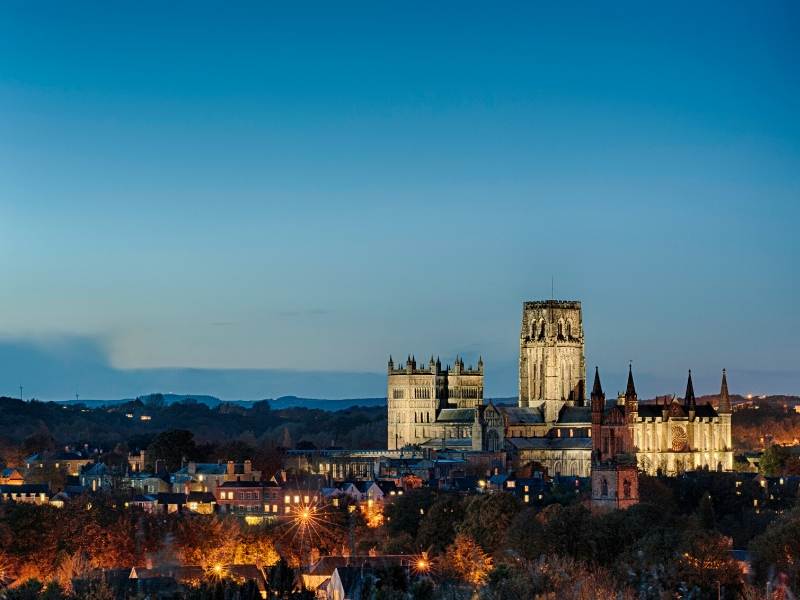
<point x="213" y="402"/>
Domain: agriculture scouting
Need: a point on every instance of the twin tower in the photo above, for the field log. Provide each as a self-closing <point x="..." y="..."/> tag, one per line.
<point x="552" y="369"/>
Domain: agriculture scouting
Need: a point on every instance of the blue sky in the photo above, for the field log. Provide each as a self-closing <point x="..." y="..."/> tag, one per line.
<point x="310" y="187"/>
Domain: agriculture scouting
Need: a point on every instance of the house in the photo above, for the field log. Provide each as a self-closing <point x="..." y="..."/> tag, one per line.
<point x="147" y="502"/>
<point x="11" y="476"/>
<point x="347" y="583"/>
<point x="206" y="477"/>
<point x="68" y="460"/>
<point x="203" y="503"/>
<point x="320" y="574"/>
<point x="136" y="461"/>
<point x="95" y="477"/>
<point x="164" y="502"/>
<point x="146" y="483"/>
<point x="164" y="582"/>
<point x="249" y="497"/>
<point x="70" y="492"/>
<point x="27" y="492"/>
<point x="170" y="503"/>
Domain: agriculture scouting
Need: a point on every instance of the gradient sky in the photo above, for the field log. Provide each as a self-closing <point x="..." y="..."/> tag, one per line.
<point x="314" y="186"/>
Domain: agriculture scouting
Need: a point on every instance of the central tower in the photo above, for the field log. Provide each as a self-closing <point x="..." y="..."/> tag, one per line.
<point x="551" y="362"/>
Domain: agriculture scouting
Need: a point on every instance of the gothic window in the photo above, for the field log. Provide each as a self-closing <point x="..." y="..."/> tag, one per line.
<point x="604" y="487"/>
<point x="561" y="330"/>
<point x="492" y="441"/>
<point x="626" y="488"/>
<point x="541" y="330"/>
<point x="569" y="329"/>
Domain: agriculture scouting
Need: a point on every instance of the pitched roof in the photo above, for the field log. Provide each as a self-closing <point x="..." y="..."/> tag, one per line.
<point x="456" y="415"/>
<point x="248" y="484"/>
<point x="518" y="415"/>
<point x="25" y="488"/>
<point x="206" y="497"/>
<point x="542" y="443"/>
<point x="575" y="414"/>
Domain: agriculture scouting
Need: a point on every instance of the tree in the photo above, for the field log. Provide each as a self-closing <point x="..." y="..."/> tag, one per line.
<point x="437" y="530"/>
<point x="778" y="548"/>
<point x="468" y="561"/>
<point x="487" y="517"/>
<point x="706" y="563"/>
<point x="404" y="513"/>
<point x="773" y="460"/>
<point x="172" y="447"/>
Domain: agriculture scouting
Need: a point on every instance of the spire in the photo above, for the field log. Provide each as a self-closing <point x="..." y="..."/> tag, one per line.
<point x="597" y="389"/>
<point x="630" y="391"/>
<point x="724" y="397"/>
<point x="689" y="399"/>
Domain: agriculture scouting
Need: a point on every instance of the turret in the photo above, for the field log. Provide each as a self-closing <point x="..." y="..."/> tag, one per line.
<point x="598" y="407"/>
<point x="480" y="364"/>
<point x="724" y="397"/>
<point x="631" y="399"/>
<point x="689" y="401"/>
<point x="391" y="364"/>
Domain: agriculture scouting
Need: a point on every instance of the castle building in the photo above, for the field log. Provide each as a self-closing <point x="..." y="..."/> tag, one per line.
<point x="552" y="425"/>
<point x="440" y="407"/>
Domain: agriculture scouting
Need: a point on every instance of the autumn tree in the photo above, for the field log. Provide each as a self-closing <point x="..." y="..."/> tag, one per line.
<point x="468" y="561"/>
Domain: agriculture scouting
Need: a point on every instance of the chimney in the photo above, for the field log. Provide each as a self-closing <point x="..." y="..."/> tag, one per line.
<point x="231" y="468"/>
<point x="248" y="467"/>
<point x="191" y="468"/>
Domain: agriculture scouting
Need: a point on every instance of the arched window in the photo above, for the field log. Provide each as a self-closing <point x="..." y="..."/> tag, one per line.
<point x="604" y="487"/>
<point x="569" y="329"/>
<point x="626" y="488"/>
<point x="561" y="330"/>
<point x="541" y="329"/>
<point x="492" y="441"/>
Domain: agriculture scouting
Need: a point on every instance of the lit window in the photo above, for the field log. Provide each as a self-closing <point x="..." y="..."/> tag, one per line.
<point x="305" y="499"/>
<point x="527" y="499"/>
<point x="297" y="499"/>
<point x="287" y="499"/>
<point x="287" y="509"/>
<point x="511" y="484"/>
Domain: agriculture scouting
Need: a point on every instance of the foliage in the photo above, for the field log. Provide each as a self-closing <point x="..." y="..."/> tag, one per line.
<point x="468" y="561"/>
<point x="487" y="517"/>
<point x="778" y="549"/>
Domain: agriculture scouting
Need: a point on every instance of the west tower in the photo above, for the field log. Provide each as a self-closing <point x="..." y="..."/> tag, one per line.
<point x="551" y="357"/>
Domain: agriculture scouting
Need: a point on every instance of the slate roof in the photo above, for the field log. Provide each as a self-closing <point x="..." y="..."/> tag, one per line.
<point x="249" y="484"/>
<point x="203" y="469"/>
<point x="456" y="415"/>
<point x="542" y="443"/>
<point x="25" y="488"/>
<point x="575" y="414"/>
<point x="522" y="415"/>
<point x="206" y="497"/>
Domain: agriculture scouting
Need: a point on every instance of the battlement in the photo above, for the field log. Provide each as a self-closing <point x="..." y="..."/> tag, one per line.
<point x="434" y="367"/>
<point x="564" y="304"/>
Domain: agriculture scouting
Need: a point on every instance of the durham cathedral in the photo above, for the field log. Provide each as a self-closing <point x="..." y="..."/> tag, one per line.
<point x="442" y="407"/>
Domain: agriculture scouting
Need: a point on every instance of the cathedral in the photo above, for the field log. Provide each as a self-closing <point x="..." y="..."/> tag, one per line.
<point x="443" y="407"/>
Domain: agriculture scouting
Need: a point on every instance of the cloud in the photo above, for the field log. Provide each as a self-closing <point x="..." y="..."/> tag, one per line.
<point x="57" y="367"/>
